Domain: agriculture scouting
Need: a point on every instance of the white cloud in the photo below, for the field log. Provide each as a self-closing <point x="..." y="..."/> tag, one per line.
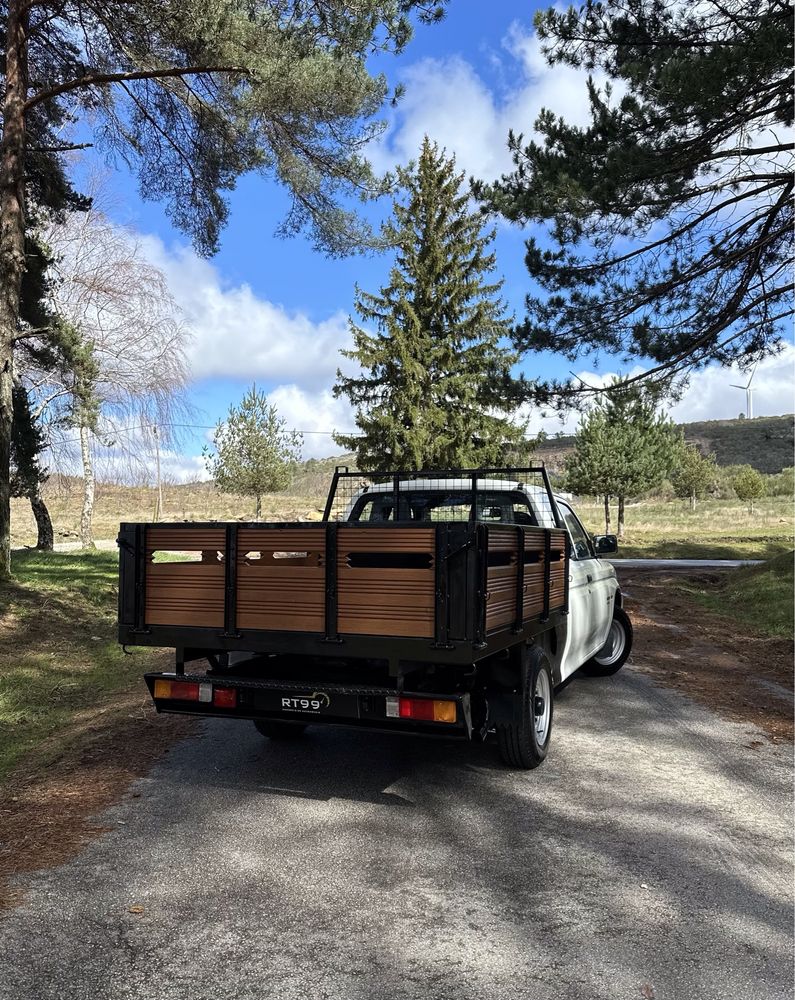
<point x="236" y="334"/>
<point x="447" y="100"/>
<point x="317" y="414"/>
<point x="709" y="395"/>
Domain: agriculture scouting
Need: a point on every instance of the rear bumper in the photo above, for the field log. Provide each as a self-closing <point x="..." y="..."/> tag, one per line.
<point x="355" y="706"/>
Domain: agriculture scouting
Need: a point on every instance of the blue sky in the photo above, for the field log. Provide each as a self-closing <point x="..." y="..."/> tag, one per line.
<point x="274" y="311"/>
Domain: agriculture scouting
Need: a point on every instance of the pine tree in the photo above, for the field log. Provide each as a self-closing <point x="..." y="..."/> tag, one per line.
<point x="436" y="382"/>
<point x="693" y="475"/>
<point x="191" y="94"/>
<point x="624" y="446"/>
<point x="670" y="213"/>
<point x="253" y="453"/>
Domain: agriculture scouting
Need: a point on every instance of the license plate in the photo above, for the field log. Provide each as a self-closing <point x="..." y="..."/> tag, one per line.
<point x="316" y="702"/>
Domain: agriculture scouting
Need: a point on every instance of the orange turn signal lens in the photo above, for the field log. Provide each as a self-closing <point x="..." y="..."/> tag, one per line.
<point x="444" y="711"/>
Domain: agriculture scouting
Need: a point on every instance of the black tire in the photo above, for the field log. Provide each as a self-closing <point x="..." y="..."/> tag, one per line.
<point x="279" y="730"/>
<point x="612" y="663"/>
<point x="519" y="742"/>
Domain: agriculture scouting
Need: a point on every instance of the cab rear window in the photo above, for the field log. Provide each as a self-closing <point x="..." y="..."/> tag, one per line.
<point x="451" y="505"/>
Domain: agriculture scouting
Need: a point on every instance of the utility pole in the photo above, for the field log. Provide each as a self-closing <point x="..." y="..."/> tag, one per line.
<point x="159" y="511"/>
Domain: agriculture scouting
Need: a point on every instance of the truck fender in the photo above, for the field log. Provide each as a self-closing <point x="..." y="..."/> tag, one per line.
<point x="506" y="704"/>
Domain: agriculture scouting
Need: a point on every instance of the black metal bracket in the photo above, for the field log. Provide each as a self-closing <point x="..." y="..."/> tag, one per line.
<point x="520" y="543"/>
<point x="331" y="634"/>
<point x="230" y="582"/>
<point x="547" y="572"/>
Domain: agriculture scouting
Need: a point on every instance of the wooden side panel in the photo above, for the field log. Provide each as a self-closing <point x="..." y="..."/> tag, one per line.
<point x="284" y="587"/>
<point x="501" y="574"/>
<point x="387" y="599"/>
<point x="185" y="593"/>
<point x="501" y="577"/>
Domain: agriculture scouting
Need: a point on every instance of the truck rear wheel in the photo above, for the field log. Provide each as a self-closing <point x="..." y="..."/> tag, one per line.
<point x="279" y="730"/>
<point x="615" y="652"/>
<point x="524" y="742"/>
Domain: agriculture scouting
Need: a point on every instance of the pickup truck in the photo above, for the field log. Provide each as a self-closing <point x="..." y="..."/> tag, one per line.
<point x="439" y="604"/>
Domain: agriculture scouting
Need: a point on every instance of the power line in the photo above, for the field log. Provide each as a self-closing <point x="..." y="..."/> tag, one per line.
<point x="196" y="427"/>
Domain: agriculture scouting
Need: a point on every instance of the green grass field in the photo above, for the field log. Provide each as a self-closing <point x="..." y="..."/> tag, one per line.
<point x="58" y="656"/>
<point x="717" y="529"/>
<point x="759" y="596"/>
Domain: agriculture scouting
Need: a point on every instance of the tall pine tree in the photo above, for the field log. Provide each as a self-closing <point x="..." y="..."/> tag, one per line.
<point x="670" y="213"/>
<point x="435" y="385"/>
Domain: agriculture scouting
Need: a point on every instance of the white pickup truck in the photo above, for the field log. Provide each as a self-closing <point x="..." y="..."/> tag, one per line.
<point x="437" y="604"/>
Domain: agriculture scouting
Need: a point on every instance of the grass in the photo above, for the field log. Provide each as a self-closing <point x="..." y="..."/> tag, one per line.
<point x="759" y="596"/>
<point x="717" y="529"/>
<point x="59" y="660"/>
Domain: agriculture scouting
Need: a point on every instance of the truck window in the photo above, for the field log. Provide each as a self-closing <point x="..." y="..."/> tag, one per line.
<point x="440" y="505"/>
<point x="580" y="542"/>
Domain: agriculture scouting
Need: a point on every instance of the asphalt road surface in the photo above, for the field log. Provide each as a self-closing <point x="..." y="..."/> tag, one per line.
<point x="684" y="563"/>
<point x="648" y="857"/>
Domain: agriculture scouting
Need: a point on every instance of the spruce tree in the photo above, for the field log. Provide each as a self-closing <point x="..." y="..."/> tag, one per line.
<point x="435" y="382"/>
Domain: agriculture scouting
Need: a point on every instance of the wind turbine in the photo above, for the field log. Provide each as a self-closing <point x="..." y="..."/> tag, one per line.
<point x="749" y="403"/>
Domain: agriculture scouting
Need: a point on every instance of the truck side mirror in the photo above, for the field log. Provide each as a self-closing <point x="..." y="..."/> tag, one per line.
<point x="605" y="544"/>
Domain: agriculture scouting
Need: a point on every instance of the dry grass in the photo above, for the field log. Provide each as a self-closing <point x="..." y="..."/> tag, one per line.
<point x="717" y="528"/>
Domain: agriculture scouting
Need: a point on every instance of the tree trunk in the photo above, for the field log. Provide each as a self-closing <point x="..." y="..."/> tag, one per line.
<point x="87" y="513"/>
<point x="259" y="507"/>
<point x="12" y="247"/>
<point x="607" y="514"/>
<point x="693" y="501"/>
<point x="46" y="538"/>
<point x="620" y="516"/>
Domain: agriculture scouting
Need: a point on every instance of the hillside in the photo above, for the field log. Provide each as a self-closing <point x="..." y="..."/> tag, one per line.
<point x="766" y="443"/>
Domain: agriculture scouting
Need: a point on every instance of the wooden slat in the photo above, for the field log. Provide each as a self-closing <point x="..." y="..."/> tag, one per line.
<point x="501" y="580"/>
<point x="386" y="601"/>
<point x="184" y="539"/>
<point x="281" y="594"/>
<point x="185" y="594"/>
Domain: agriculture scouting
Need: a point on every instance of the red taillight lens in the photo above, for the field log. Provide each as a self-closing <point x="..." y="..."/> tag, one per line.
<point x="225" y="698"/>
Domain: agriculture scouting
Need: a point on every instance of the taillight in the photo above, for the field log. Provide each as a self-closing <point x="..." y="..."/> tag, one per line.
<point x="180" y="690"/>
<point x="225" y="698"/>
<point x="193" y="691"/>
<point x="421" y="709"/>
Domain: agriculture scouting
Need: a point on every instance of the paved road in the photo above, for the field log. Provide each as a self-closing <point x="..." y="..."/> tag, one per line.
<point x="684" y="563"/>
<point x="649" y="856"/>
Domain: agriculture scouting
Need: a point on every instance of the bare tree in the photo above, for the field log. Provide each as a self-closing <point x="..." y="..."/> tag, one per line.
<point x="126" y="358"/>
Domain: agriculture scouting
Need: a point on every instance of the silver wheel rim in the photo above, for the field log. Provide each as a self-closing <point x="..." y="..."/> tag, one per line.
<point x="614" y="647"/>
<point x="541" y="719"/>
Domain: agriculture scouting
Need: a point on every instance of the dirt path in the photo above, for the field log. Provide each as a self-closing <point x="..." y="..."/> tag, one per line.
<point x="711" y="658"/>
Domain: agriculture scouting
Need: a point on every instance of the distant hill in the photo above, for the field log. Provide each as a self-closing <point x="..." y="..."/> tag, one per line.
<point x="766" y="443"/>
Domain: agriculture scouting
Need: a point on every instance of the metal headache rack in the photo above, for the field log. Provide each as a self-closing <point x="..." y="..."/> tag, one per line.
<point x="490" y="496"/>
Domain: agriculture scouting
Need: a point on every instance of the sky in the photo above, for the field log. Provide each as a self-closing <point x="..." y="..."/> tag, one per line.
<point x="273" y="311"/>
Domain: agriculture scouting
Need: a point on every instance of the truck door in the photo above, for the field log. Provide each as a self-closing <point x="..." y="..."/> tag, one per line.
<point x="586" y="615"/>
